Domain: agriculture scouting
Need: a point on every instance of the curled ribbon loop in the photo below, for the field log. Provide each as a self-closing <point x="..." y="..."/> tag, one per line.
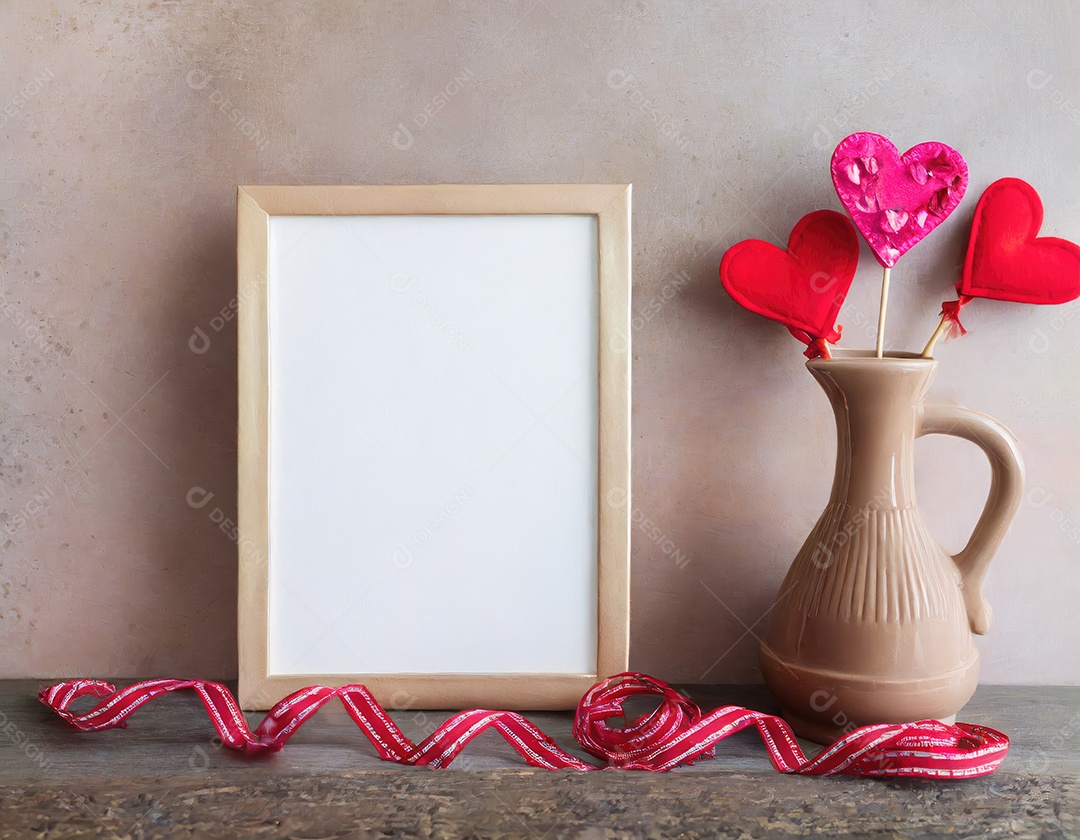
<point x="676" y="732"/>
<point x="626" y="746"/>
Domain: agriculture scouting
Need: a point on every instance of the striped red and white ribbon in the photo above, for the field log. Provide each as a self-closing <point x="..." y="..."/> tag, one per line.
<point x="676" y="732"/>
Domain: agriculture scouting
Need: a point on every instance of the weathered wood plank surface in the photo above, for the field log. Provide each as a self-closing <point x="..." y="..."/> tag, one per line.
<point x="166" y="775"/>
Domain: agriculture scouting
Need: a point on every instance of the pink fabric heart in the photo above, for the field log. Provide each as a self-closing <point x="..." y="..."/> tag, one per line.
<point x="895" y="200"/>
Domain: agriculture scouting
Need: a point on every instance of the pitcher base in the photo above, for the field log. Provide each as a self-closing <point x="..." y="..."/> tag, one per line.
<point x="824" y="705"/>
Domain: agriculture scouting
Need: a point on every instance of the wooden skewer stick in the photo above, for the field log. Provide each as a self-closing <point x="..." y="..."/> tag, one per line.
<point x="928" y="350"/>
<point x="881" y="313"/>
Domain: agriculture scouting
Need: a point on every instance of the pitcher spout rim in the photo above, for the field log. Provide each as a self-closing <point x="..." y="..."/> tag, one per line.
<point x="843" y="357"/>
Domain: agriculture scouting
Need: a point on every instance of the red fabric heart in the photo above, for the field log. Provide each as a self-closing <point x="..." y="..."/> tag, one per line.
<point x="896" y="200"/>
<point x="1006" y="260"/>
<point x="802" y="287"/>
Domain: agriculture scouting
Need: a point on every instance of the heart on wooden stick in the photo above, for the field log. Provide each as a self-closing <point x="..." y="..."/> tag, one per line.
<point x="1006" y="257"/>
<point x="802" y="287"/>
<point x="896" y="200"/>
<point x="1008" y="260"/>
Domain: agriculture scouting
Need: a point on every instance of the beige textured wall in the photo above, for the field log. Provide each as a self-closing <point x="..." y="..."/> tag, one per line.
<point x="125" y="127"/>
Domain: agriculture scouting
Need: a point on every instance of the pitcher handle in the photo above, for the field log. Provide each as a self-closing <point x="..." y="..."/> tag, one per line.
<point x="1006" y="490"/>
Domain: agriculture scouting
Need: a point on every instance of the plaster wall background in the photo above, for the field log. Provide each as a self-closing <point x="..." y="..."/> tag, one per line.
<point x="125" y="127"/>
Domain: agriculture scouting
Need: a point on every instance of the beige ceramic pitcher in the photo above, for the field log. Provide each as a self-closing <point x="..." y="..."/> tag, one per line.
<point x="873" y="622"/>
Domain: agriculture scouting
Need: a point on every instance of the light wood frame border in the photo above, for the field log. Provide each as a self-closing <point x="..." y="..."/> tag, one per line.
<point x="611" y="205"/>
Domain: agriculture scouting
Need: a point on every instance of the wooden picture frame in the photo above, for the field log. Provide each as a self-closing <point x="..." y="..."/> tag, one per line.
<point x="390" y="339"/>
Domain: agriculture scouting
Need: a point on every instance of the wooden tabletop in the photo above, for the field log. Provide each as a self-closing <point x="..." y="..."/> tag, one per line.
<point x="167" y="775"/>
